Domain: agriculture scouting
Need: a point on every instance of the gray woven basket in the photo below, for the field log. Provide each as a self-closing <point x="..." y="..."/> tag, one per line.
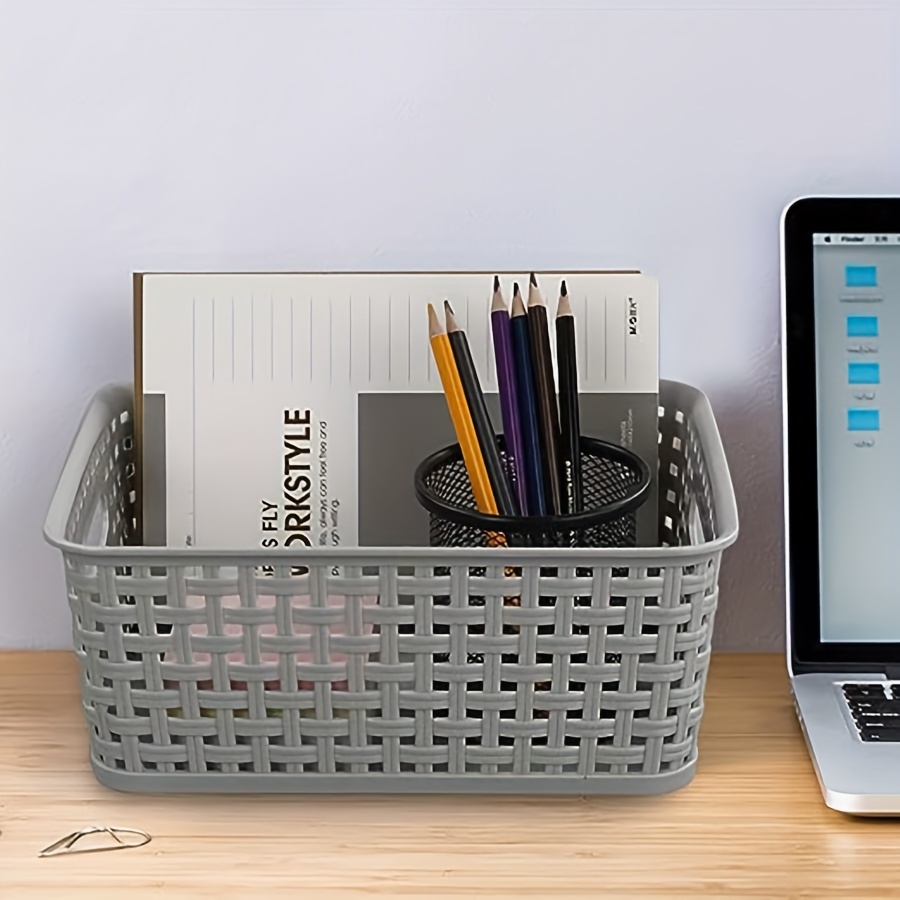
<point x="527" y="671"/>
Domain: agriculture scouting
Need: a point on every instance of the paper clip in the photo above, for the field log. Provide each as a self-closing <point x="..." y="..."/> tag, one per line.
<point x="63" y="847"/>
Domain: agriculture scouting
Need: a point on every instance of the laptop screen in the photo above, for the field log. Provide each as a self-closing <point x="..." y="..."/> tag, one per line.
<point x="857" y="299"/>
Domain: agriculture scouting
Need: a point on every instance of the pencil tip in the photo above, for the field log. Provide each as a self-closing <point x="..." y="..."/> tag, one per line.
<point x="518" y="306"/>
<point x="562" y="289"/>
<point x="434" y="324"/>
<point x="498" y="304"/>
<point x="450" y="318"/>
<point x="534" y="293"/>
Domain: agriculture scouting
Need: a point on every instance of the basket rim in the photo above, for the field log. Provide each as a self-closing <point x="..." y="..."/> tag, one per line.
<point x="116" y="399"/>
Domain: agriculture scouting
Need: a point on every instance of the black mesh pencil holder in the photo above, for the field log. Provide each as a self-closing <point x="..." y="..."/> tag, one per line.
<point x="615" y="484"/>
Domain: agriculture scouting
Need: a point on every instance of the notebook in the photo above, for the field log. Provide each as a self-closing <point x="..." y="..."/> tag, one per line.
<point x="291" y="409"/>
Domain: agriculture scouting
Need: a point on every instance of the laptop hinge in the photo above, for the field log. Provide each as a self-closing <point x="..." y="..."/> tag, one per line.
<point x="892" y="673"/>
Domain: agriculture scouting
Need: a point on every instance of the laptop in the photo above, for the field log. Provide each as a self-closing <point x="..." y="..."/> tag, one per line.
<point x="840" y="290"/>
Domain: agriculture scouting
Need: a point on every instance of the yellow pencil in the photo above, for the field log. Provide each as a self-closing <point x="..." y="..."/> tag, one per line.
<point x="459" y="413"/>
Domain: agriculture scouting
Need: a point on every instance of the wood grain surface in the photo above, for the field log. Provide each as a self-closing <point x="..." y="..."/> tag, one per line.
<point x="752" y="823"/>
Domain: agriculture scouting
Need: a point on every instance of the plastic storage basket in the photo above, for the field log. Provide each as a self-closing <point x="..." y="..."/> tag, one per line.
<point x="421" y="669"/>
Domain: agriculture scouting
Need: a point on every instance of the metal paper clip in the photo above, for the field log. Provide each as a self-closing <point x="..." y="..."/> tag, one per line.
<point x="63" y="847"/>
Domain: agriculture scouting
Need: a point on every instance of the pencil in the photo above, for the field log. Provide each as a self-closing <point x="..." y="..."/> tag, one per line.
<point x="509" y="402"/>
<point x="545" y="396"/>
<point x="459" y="413"/>
<point x="569" y="418"/>
<point x="531" y="443"/>
<point x="484" y="432"/>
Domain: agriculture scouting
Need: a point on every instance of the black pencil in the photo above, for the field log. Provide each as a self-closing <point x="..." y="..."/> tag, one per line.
<point x="569" y="418"/>
<point x="487" y="440"/>
<point x="545" y="396"/>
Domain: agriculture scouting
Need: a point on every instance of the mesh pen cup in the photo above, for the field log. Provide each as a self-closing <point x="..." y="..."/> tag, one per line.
<point x="616" y="483"/>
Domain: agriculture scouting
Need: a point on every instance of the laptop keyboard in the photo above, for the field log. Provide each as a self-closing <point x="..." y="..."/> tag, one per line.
<point x="875" y="708"/>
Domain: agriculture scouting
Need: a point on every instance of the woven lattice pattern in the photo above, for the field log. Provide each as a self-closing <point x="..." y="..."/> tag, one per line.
<point x="394" y="669"/>
<point x="687" y="511"/>
<point x="394" y="673"/>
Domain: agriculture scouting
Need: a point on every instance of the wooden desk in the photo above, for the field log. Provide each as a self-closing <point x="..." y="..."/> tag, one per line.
<point x="751" y="824"/>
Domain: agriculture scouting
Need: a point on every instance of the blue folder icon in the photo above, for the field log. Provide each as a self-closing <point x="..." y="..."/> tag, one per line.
<point x="862" y="326"/>
<point x="862" y="420"/>
<point x="862" y="276"/>
<point x="864" y="373"/>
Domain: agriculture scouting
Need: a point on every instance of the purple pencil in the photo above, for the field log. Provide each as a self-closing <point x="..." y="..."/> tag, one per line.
<point x="509" y="404"/>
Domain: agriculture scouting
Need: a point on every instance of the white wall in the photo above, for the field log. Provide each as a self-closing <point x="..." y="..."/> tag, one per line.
<point x="475" y="135"/>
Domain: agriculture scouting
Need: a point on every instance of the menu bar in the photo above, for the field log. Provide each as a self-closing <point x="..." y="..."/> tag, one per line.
<point x="856" y="240"/>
